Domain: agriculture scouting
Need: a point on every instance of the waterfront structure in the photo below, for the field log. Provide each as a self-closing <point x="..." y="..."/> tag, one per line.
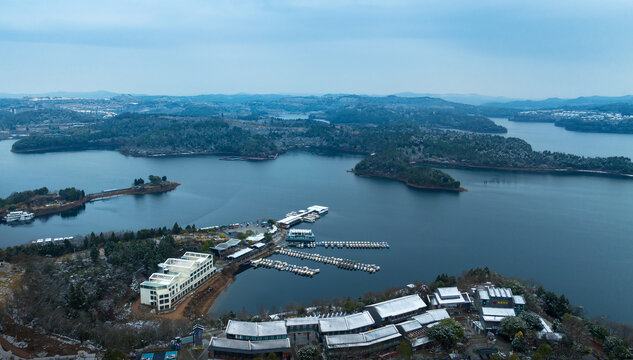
<point x="300" y="235"/>
<point x="255" y="238"/>
<point x="350" y="324"/>
<point x="178" y="278"/>
<point x="224" y="348"/>
<point x="396" y="310"/>
<point x="221" y="248"/>
<point x="319" y="210"/>
<point x="256" y="331"/>
<point x="360" y="345"/>
<point x="449" y="298"/>
<point x="414" y="330"/>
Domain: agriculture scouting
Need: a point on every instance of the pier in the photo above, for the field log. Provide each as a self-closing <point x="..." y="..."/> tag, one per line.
<point x="344" y="245"/>
<point x="284" y="266"/>
<point x="338" y="262"/>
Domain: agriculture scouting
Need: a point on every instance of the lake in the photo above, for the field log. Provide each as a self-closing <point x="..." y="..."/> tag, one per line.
<point x="571" y="233"/>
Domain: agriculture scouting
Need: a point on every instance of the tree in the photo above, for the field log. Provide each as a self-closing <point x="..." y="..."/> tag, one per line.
<point x="113" y="354"/>
<point x="404" y="348"/>
<point x="272" y="356"/>
<point x="176" y="229"/>
<point x="94" y="253"/>
<point x="154" y="179"/>
<point x="309" y="352"/>
<point x="139" y="181"/>
<point x="543" y="352"/>
<point x="511" y="325"/>
<point x="164" y="178"/>
<point x="532" y="320"/>
<point x="267" y="237"/>
<point x="446" y="333"/>
<point x="519" y="342"/>
<point x="349" y="306"/>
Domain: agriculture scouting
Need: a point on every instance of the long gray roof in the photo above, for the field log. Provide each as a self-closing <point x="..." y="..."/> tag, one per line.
<point x="398" y="306"/>
<point x="256" y="329"/>
<point x="346" y="323"/>
<point x="368" y="338"/>
<point x="227" y="244"/>
<point x="239" y="346"/>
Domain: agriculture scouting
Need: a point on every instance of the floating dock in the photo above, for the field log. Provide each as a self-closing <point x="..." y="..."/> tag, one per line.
<point x="338" y="262"/>
<point x="284" y="266"/>
<point x="344" y="245"/>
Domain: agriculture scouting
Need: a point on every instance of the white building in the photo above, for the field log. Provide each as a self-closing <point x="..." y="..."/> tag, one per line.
<point x="179" y="276"/>
<point x="396" y="310"/>
<point x="449" y="297"/>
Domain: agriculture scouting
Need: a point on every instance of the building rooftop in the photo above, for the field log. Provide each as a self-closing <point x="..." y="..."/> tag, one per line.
<point x="299" y="232"/>
<point x="258" y="245"/>
<point x="398" y="306"/>
<point x="256" y="329"/>
<point x="196" y="256"/>
<point x="227" y="244"/>
<point x="518" y="300"/>
<point x="160" y="279"/>
<point x="346" y="323"/>
<point x="312" y="320"/>
<point x="317" y="208"/>
<point x="449" y="292"/>
<point x="263" y="346"/>
<point x="239" y="253"/>
<point x="368" y="338"/>
<point x="431" y="316"/>
<point x="178" y="263"/>
<point x="255" y="238"/>
<point x="493" y="314"/>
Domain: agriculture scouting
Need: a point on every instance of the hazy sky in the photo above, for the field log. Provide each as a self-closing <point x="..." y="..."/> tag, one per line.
<point x="510" y="48"/>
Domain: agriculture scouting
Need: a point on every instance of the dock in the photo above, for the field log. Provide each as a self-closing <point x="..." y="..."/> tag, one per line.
<point x="341" y="263"/>
<point x="344" y="245"/>
<point x="284" y="266"/>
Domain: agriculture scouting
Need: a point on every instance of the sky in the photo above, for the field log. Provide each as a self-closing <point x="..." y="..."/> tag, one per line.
<point x="521" y="49"/>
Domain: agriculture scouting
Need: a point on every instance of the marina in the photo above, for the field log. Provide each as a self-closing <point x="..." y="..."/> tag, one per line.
<point x="284" y="266"/>
<point x="310" y="215"/>
<point x="343" y="245"/>
<point x="341" y="263"/>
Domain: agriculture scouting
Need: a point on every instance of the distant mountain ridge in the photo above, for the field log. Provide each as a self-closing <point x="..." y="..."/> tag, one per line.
<point x="583" y="102"/>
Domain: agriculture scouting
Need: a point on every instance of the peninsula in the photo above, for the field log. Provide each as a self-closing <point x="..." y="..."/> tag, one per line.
<point x="41" y="202"/>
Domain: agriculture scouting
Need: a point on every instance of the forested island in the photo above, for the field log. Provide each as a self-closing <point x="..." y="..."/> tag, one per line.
<point x="395" y="165"/>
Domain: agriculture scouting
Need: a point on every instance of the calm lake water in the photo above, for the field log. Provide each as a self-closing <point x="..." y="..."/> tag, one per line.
<point x="571" y="233"/>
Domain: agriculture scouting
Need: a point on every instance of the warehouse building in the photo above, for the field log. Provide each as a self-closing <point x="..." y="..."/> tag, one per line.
<point x="359" y="345"/>
<point x="229" y="349"/>
<point x="256" y="331"/>
<point x="414" y="330"/>
<point x="449" y="298"/>
<point x="350" y="324"/>
<point x="396" y="310"/>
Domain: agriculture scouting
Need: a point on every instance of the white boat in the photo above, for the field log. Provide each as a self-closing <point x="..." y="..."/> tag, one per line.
<point x="18" y="216"/>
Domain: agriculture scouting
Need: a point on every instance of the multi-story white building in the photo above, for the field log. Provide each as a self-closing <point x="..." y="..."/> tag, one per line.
<point x="179" y="276"/>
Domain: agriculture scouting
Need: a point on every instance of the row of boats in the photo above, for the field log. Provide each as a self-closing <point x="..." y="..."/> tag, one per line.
<point x="345" y="244"/>
<point x="284" y="266"/>
<point x="338" y="262"/>
<point x="48" y="240"/>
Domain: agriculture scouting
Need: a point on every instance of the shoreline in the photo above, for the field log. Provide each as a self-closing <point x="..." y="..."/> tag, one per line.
<point x="561" y="171"/>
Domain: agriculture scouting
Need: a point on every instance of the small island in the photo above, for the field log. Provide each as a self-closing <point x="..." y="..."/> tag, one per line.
<point x="395" y="165"/>
<point x="20" y="207"/>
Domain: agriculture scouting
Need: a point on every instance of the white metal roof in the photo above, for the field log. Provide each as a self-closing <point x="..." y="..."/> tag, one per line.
<point x="258" y="245"/>
<point x="495" y="311"/>
<point x="449" y="292"/>
<point x="318" y="208"/>
<point x="409" y="325"/>
<point x="239" y="253"/>
<point x="249" y="346"/>
<point x="398" y="306"/>
<point x="256" y="237"/>
<point x="179" y="263"/>
<point x="483" y="295"/>
<point x="312" y="320"/>
<point x="256" y="329"/>
<point x="431" y="316"/>
<point x="290" y="219"/>
<point x="368" y="338"/>
<point x="227" y="244"/>
<point x="299" y="232"/>
<point x="346" y="323"/>
<point x="518" y="300"/>
<point x="499" y="292"/>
